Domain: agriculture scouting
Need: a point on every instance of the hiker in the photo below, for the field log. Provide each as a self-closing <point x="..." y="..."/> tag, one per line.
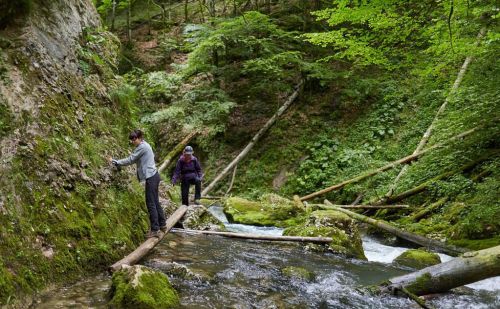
<point x="188" y="170"/>
<point x="143" y="158"/>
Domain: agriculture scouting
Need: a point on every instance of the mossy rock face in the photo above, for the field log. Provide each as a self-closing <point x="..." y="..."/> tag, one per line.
<point x="329" y="223"/>
<point x="417" y="258"/>
<point x="271" y="210"/>
<point x="298" y="273"/>
<point x="142" y="288"/>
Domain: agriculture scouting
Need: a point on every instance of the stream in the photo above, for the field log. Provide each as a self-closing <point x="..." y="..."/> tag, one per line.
<point x="237" y="273"/>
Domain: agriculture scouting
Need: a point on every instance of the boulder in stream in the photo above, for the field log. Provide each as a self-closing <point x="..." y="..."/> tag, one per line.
<point x="142" y="288"/>
<point x="198" y="217"/>
<point x="270" y="210"/>
<point x="331" y="223"/>
<point x="298" y="273"/>
<point x="417" y="258"/>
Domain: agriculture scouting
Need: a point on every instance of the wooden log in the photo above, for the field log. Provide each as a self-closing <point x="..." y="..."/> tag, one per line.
<point x="427" y="210"/>
<point x="150" y="243"/>
<point x="232" y="181"/>
<point x="431" y="244"/>
<point x="427" y="134"/>
<point x="422" y="187"/>
<point x="320" y="240"/>
<point x="255" y="139"/>
<point x="177" y="149"/>
<point x="388" y="166"/>
<point x="471" y="267"/>
<point x="364" y="206"/>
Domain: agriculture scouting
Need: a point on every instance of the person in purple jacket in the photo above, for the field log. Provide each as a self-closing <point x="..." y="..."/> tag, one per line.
<point x="188" y="170"/>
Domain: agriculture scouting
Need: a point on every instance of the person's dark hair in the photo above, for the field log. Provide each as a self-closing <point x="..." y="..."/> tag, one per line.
<point x="135" y="134"/>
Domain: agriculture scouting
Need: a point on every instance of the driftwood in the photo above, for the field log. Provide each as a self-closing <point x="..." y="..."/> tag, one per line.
<point x="393" y="164"/>
<point x="431" y="244"/>
<point x="321" y="240"/>
<point x="422" y="187"/>
<point x="427" y="134"/>
<point x="363" y="206"/>
<point x="471" y="267"/>
<point x="177" y="149"/>
<point x="150" y="243"/>
<point x="254" y="140"/>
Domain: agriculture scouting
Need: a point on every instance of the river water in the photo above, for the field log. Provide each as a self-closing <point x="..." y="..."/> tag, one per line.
<point x="234" y="273"/>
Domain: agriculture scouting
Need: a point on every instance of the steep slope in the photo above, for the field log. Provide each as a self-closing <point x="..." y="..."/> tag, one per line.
<point x="62" y="209"/>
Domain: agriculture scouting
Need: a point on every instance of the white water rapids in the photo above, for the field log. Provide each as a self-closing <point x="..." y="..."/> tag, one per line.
<point x="375" y="251"/>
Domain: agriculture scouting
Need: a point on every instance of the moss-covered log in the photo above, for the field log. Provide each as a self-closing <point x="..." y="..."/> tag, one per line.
<point x="389" y="166"/>
<point x="429" y="209"/>
<point x="469" y="268"/>
<point x="431" y="244"/>
<point x="177" y="149"/>
<point x="150" y="243"/>
<point x="422" y="187"/>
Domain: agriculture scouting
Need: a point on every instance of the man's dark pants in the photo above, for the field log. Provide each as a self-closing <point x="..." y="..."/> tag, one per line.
<point x="185" y="189"/>
<point x="156" y="215"/>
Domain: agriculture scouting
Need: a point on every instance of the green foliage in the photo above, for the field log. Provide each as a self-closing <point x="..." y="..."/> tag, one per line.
<point x="368" y="33"/>
<point x="6" y="119"/>
<point x="159" y="86"/>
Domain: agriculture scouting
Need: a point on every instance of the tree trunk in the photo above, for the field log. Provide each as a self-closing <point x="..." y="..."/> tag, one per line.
<point x="150" y="243"/>
<point x="431" y="244"/>
<point x="254" y="140"/>
<point x="407" y="159"/>
<point x="113" y="15"/>
<point x="471" y="267"/>
<point x="422" y="187"/>
<point x="235" y="8"/>
<point x="364" y="206"/>
<point x="320" y="240"/>
<point x="129" y="30"/>
<point x="186" y="11"/>
<point x="428" y="132"/>
<point x="232" y="181"/>
<point x="427" y="210"/>
<point x="177" y="149"/>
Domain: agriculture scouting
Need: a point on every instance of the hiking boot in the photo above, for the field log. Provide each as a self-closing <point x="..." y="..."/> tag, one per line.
<point x="152" y="234"/>
<point x="163" y="228"/>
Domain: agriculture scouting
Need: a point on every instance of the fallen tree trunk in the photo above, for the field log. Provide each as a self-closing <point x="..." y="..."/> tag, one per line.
<point x="431" y="244"/>
<point x="406" y="159"/>
<point x="254" y="140"/>
<point x="471" y="267"/>
<point x="422" y="187"/>
<point x="427" y="134"/>
<point x="150" y="243"/>
<point x="320" y="240"/>
<point x="427" y="210"/>
<point x="364" y="206"/>
<point x="232" y="181"/>
<point x="177" y="149"/>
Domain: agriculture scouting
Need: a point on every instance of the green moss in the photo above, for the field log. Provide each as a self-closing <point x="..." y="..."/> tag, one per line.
<point x="142" y="288"/>
<point x="476" y="244"/>
<point x="417" y="258"/>
<point x="421" y="283"/>
<point x="6" y="119"/>
<point x="272" y="210"/>
<point x="298" y="272"/>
